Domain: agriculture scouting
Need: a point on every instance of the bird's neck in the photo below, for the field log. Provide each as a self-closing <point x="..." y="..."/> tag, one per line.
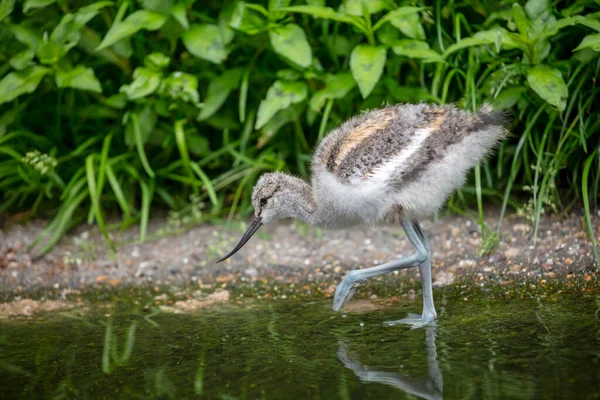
<point x="303" y="204"/>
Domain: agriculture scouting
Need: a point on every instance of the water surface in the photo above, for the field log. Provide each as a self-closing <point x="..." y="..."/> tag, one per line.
<point x="489" y="344"/>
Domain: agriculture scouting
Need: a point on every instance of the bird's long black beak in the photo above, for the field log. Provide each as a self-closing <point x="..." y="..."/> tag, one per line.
<point x="254" y="225"/>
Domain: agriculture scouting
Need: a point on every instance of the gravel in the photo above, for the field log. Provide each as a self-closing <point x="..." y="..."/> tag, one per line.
<point x="292" y="253"/>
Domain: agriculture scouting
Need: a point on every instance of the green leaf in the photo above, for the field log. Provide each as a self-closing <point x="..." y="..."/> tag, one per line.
<point x="22" y="60"/>
<point x="397" y="15"/>
<point x="205" y="41"/>
<point x="548" y="83"/>
<point x="32" y="4"/>
<point x="320" y="12"/>
<point x="145" y="82"/>
<point x="538" y="9"/>
<point x="366" y="64"/>
<point x="289" y="41"/>
<point x="497" y="36"/>
<point x="26" y="36"/>
<point x="336" y="87"/>
<point x="85" y="14"/>
<point x="588" y="21"/>
<point x="80" y="77"/>
<point x="279" y="96"/>
<point x="156" y="61"/>
<point x="410" y="25"/>
<point x="218" y="91"/>
<point x="274" y="5"/>
<point x="50" y="53"/>
<point x="354" y="7"/>
<point x="6" y="8"/>
<point x="521" y="20"/>
<point x="178" y="12"/>
<point x="508" y="97"/>
<point x="247" y="20"/>
<point x="416" y="49"/>
<point x="592" y="41"/>
<point x="224" y="20"/>
<point x="67" y="33"/>
<point x="21" y="82"/>
<point x="138" y="20"/>
<point x="181" y="86"/>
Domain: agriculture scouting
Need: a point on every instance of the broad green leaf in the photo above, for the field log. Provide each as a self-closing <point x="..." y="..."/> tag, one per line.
<point x="181" y="86"/>
<point x="591" y="41"/>
<point x="316" y="3"/>
<point x="21" y="82"/>
<point x="80" y="77"/>
<point x="178" y="12"/>
<point x="32" y="4"/>
<point x="205" y="41"/>
<point x="416" y="49"/>
<point x="246" y="20"/>
<point x="410" y="25"/>
<point x="22" y="60"/>
<point x="397" y="15"/>
<point x="218" y="91"/>
<point x="279" y="96"/>
<point x="85" y="14"/>
<point x="588" y="21"/>
<point x="145" y="82"/>
<point x="50" y="53"/>
<point x="521" y="20"/>
<point x="320" y="12"/>
<point x="366" y="64"/>
<point x="289" y="41"/>
<point x="136" y="21"/>
<point x="538" y="9"/>
<point x="336" y="87"/>
<point x="6" y="8"/>
<point x="548" y="83"/>
<point x="354" y="7"/>
<point x="67" y="33"/>
<point x="498" y="37"/>
<point x="224" y="20"/>
<point x="26" y="36"/>
<point x="508" y="97"/>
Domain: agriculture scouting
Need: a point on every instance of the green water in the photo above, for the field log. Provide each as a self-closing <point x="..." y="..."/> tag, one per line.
<point x="492" y="346"/>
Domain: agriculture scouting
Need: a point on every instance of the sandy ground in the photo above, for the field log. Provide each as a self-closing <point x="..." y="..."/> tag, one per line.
<point x="291" y="253"/>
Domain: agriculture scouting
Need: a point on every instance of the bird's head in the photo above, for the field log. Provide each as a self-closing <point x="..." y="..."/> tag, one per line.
<point x="275" y="196"/>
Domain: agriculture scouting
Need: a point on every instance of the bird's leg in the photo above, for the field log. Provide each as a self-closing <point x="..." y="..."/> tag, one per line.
<point x="345" y="290"/>
<point x="429" y="315"/>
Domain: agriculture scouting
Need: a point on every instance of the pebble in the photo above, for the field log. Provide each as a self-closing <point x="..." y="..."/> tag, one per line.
<point x="512" y="252"/>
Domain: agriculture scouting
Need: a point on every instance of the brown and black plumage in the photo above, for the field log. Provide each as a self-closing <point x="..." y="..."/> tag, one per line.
<point x="395" y="164"/>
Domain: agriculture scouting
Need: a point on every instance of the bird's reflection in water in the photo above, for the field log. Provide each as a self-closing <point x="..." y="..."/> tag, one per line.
<point x="427" y="387"/>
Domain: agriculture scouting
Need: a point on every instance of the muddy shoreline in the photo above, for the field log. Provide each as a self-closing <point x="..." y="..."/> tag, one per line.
<point x="291" y="253"/>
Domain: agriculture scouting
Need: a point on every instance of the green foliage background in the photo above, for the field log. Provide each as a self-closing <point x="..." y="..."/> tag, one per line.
<point x="140" y="105"/>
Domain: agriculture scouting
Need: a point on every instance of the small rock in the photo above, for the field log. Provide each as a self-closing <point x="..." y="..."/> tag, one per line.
<point x="512" y="252"/>
<point x="521" y="228"/>
<point x="162" y="297"/>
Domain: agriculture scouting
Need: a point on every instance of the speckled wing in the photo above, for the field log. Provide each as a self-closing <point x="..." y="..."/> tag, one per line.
<point x="394" y="145"/>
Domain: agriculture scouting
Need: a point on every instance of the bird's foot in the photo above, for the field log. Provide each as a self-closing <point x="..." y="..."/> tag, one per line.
<point x="345" y="290"/>
<point x="415" y="321"/>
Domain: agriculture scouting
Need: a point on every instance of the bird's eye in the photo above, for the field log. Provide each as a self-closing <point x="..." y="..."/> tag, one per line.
<point x="263" y="202"/>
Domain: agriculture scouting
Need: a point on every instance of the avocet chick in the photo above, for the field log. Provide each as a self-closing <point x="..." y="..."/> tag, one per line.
<point x="397" y="164"/>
